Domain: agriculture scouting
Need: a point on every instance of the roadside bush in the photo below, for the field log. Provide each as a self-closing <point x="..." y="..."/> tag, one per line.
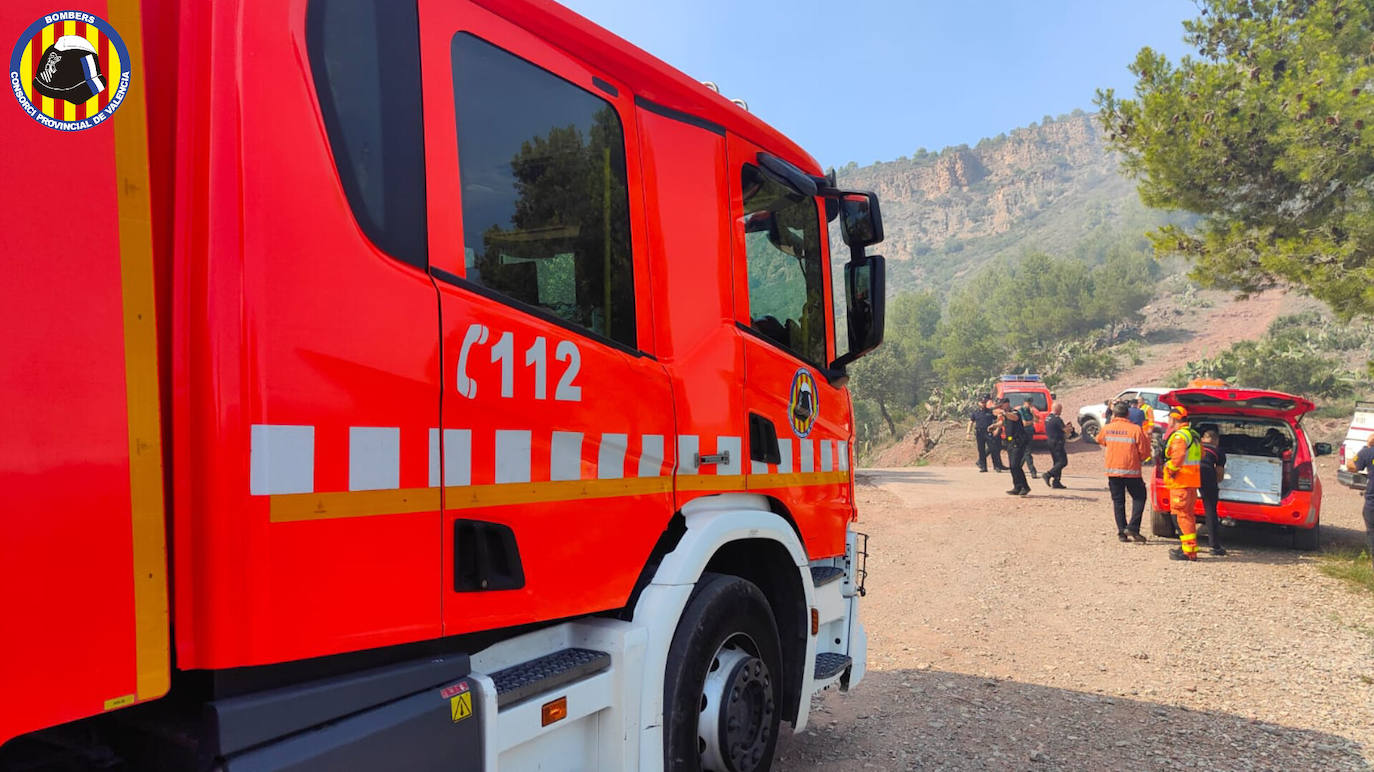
<point x="1094" y="364"/>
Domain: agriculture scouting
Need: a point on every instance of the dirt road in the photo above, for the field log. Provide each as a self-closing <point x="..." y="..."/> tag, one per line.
<point x="1020" y="634"/>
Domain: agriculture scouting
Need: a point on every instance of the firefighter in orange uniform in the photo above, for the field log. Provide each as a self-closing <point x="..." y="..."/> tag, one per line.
<point x="1182" y="476"/>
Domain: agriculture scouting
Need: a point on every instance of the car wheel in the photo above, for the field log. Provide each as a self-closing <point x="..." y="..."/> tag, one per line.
<point x="1162" y="524"/>
<point x="1090" y="428"/>
<point x="1307" y="539"/>
<point x="721" y="690"/>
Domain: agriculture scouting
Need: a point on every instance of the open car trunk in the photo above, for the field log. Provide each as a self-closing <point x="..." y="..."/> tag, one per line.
<point x="1259" y="456"/>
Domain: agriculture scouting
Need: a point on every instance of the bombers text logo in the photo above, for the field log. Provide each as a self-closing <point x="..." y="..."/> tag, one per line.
<point x="802" y="406"/>
<point x="70" y="70"/>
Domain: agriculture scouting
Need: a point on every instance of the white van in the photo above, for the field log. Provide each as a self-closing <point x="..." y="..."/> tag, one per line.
<point x="1361" y="425"/>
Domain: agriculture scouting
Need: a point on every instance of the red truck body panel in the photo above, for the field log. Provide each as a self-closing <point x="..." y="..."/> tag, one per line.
<point x="82" y="558"/>
<point x="331" y="412"/>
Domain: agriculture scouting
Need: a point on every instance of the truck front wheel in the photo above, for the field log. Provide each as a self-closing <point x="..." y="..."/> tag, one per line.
<point x="721" y="693"/>
<point x="1090" y="429"/>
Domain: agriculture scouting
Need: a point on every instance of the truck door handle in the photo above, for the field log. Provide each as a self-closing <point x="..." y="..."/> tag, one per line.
<point x="714" y="459"/>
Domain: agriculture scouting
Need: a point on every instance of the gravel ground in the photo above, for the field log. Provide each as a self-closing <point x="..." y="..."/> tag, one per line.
<point x="1020" y="634"/>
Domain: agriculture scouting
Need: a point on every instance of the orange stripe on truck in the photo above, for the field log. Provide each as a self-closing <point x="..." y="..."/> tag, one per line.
<point x="147" y="512"/>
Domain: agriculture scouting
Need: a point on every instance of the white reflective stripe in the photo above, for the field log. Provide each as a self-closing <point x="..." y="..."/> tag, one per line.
<point x="808" y="456"/>
<point x="843" y="456"/>
<point x="565" y="456"/>
<point x="784" y="456"/>
<point x="610" y="458"/>
<point x="1114" y="438"/>
<point x="281" y="459"/>
<point x="757" y="467"/>
<point x="457" y="457"/>
<point x="651" y="455"/>
<point x="374" y="458"/>
<point x="1123" y="472"/>
<point x="731" y="445"/>
<point x="512" y="456"/>
<point x="827" y="455"/>
<point x="687" y="448"/>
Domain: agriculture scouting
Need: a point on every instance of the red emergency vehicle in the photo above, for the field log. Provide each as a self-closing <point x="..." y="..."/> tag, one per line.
<point x="1019" y="388"/>
<point x="407" y="385"/>
<point x="1270" y="476"/>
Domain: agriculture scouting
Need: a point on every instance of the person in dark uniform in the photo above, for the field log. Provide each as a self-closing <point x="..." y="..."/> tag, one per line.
<point x="979" y="420"/>
<point x="1054" y="435"/>
<point x="1364" y="462"/>
<point x="994" y="432"/>
<point x="1213" y="468"/>
<point x="1027" y="411"/>
<point x="1017" y="439"/>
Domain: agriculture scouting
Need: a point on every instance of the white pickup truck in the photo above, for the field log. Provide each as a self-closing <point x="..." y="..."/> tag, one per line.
<point x="1092" y="417"/>
<point x="1356" y="437"/>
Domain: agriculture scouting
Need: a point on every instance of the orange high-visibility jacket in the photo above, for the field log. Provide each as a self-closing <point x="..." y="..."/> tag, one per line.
<point x="1127" y="447"/>
<point x="1184" y="468"/>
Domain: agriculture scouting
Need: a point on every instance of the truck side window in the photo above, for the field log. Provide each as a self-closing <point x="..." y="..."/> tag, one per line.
<point x="545" y="198"/>
<point x="785" y="266"/>
<point x="365" y="58"/>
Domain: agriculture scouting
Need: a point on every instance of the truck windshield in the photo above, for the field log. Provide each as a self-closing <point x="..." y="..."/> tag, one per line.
<point x="1038" y="399"/>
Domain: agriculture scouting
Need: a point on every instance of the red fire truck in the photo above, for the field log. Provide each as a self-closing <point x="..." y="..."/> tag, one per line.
<point x="410" y="385"/>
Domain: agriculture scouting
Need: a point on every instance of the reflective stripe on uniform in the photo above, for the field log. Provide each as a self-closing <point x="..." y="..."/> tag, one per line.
<point x="1111" y="472"/>
<point x="1118" y="438"/>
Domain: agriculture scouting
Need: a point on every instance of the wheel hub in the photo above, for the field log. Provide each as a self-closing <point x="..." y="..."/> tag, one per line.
<point x="736" y="722"/>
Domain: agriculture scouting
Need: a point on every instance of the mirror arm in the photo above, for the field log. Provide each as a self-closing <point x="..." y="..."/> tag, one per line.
<point x="836" y="376"/>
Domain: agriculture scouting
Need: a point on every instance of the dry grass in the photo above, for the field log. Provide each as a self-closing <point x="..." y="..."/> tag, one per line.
<point x="1351" y="566"/>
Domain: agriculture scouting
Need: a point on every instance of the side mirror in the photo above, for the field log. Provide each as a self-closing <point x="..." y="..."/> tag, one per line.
<point x="1322" y="449"/>
<point x="865" y="285"/>
<point x="861" y="222"/>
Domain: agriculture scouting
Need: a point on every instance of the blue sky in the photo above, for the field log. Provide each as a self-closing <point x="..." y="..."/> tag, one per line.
<point x="872" y="80"/>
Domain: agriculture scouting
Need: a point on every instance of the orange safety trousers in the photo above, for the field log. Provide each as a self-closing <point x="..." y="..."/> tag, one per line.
<point x="1181" y="503"/>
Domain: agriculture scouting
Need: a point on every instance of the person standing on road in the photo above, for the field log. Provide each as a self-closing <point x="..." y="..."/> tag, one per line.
<point x="1364" y="462"/>
<point x="1213" y="468"/>
<point x="1054" y="434"/>
<point x="1127" y="448"/>
<point x="1014" y="436"/>
<point x="1027" y="411"/>
<point x="979" y="420"/>
<point x="1182" y="476"/>
<point x="1136" y="415"/>
<point x="995" y="443"/>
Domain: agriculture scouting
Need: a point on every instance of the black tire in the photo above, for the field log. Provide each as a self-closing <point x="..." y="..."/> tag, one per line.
<point x="1090" y="427"/>
<point x="724" y="611"/>
<point x="1308" y="539"/>
<point x="1162" y="524"/>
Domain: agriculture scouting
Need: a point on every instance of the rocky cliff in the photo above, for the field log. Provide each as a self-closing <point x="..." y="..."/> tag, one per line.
<point x="1045" y="187"/>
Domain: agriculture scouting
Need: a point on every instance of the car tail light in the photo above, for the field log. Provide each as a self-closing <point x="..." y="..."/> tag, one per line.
<point x="1340" y="455"/>
<point x="1304" y="474"/>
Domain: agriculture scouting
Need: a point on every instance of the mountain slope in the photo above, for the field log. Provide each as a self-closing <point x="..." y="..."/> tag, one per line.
<point x="1051" y="187"/>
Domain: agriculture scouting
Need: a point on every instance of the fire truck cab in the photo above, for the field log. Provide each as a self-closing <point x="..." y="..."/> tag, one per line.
<point x="419" y="385"/>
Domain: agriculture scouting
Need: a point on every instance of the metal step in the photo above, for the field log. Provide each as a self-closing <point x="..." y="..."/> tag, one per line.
<point x="821" y="575"/>
<point x="829" y="665"/>
<point x="519" y="682"/>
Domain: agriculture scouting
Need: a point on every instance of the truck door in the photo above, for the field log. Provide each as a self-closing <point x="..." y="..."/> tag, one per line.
<point x="784" y="309"/>
<point x="556" y="446"/>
